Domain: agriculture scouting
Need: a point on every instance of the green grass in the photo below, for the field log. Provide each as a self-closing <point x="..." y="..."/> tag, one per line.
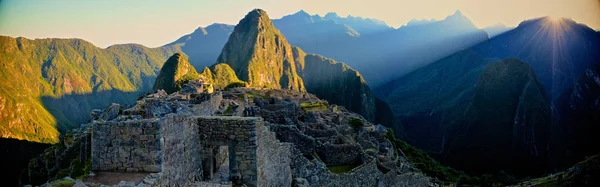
<point x="236" y="85"/>
<point x="63" y="183"/>
<point x="228" y="110"/>
<point x="313" y="106"/>
<point x="252" y="95"/>
<point x="339" y="169"/>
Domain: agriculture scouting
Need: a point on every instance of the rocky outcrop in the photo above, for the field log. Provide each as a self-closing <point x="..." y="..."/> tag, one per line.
<point x="260" y="55"/>
<point x="174" y="73"/>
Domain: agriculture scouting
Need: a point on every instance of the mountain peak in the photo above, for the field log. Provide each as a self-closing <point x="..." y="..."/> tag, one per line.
<point x="256" y="18"/>
<point x="257" y="12"/>
<point x="302" y="13"/>
<point x="199" y="30"/>
<point x="174" y="73"/>
<point x="260" y="55"/>
<point x="458" y="13"/>
<point x="458" y="19"/>
<point x="331" y="15"/>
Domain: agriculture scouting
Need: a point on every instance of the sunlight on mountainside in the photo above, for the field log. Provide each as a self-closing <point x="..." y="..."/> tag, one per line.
<point x="556" y="28"/>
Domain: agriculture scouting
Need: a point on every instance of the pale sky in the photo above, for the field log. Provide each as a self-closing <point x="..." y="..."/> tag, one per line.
<point x="154" y="23"/>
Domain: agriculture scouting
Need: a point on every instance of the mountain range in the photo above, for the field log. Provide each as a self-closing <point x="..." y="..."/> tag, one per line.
<point x="502" y="98"/>
<point x="434" y="101"/>
<point x="51" y="85"/>
<point x="355" y="41"/>
<point x="261" y="57"/>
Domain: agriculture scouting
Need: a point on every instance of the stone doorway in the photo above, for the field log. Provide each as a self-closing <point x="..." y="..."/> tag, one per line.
<point x="255" y="156"/>
<point x="215" y="164"/>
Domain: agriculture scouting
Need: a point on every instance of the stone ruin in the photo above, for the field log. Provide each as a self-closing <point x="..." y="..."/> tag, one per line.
<point x="190" y="139"/>
<point x="187" y="149"/>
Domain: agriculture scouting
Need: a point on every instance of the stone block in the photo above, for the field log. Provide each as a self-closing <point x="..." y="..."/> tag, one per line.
<point x="152" y="168"/>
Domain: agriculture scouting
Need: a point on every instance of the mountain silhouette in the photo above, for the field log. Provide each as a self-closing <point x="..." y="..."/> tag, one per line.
<point x="431" y="100"/>
<point x="506" y="125"/>
<point x="204" y="44"/>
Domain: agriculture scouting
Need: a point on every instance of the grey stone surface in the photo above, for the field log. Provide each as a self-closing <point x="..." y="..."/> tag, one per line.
<point x="110" y="113"/>
<point x="181" y="160"/>
<point x="274" y="159"/>
<point x="300" y="182"/>
<point x="286" y="145"/>
<point x="253" y="150"/>
<point x="192" y="87"/>
<point x="132" y="146"/>
<point x="339" y="154"/>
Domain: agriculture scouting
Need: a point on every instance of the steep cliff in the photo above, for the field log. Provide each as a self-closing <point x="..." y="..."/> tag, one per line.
<point x="339" y="84"/>
<point x="505" y="126"/>
<point x="580" y="116"/>
<point x="260" y="55"/>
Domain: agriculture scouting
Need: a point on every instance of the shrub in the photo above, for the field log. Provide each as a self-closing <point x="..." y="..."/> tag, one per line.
<point x="356" y="123"/>
<point x="236" y="85"/>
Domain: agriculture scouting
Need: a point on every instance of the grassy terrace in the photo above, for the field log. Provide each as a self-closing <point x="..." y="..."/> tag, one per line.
<point x="339" y="169"/>
<point x="252" y="95"/>
<point x="313" y="106"/>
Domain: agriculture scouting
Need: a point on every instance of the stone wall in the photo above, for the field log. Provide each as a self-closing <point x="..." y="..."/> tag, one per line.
<point x="182" y="164"/>
<point x="317" y="174"/>
<point x="339" y="154"/>
<point x="132" y="146"/>
<point x="274" y="159"/>
<point x="239" y="134"/>
<point x="249" y="154"/>
<point x="176" y="145"/>
<point x="287" y="133"/>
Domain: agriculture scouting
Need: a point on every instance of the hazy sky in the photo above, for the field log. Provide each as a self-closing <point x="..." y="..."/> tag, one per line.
<point x="155" y="23"/>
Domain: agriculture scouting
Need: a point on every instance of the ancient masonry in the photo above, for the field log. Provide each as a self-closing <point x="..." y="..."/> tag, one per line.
<point x="186" y="149"/>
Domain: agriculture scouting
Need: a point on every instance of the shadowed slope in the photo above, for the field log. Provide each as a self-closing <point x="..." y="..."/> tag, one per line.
<point x="506" y="125"/>
<point x="31" y="69"/>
